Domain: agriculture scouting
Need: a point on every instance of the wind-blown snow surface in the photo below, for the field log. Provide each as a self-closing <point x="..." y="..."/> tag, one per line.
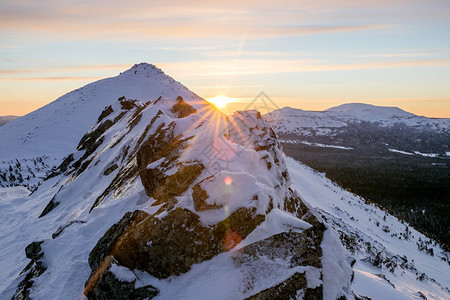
<point x="403" y="271"/>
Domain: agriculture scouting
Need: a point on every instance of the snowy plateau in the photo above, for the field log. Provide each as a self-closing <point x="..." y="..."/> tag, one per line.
<point x="134" y="187"/>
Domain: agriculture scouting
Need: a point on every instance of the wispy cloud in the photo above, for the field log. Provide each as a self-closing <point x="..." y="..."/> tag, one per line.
<point x="182" y="19"/>
<point x="220" y="68"/>
<point x="69" y="69"/>
<point x="51" y="78"/>
<point x="267" y="66"/>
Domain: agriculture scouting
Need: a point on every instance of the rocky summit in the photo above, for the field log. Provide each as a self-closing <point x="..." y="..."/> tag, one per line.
<point x="169" y="198"/>
<point x="134" y="187"/>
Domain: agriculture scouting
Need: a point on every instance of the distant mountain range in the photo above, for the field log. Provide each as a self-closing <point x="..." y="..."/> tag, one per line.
<point x="397" y="159"/>
<point x="364" y="127"/>
<point x="142" y="189"/>
<point x="6" y="119"/>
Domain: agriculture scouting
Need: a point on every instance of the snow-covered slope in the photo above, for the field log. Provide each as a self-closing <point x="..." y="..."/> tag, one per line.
<point x="164" y="197"/>
<point x="41" y="139"/>
<point x="173" y="200"/>
<point x="392" y="260"/>
<point x="55" y="129"/>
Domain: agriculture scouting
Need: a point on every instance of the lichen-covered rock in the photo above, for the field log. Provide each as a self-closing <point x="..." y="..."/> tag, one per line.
<point x="110" y="287"/>
<point x="182" y="109"/>
<point x="271" y="258"/>
<point x="106" y="112"/>
<point x="162" y="188"/>
<point x="170" y="245"/>
<point x="108" y="240"/>
<point x="288" y="289"/>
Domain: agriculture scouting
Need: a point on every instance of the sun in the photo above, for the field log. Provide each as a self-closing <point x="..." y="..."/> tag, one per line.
<point x="221" y="101"/>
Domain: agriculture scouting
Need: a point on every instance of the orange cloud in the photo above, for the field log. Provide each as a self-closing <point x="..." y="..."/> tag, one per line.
<point x="184" y="19"/>
<point x="52" y="78"/>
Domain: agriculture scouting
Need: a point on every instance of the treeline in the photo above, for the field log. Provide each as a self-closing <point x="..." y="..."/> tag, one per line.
<point x="415" y="189"/>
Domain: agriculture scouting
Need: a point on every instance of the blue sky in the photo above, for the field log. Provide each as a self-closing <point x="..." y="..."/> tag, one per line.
<point x="302" y="54"/>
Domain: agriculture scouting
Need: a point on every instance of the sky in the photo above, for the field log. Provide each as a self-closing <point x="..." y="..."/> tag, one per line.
<point x="305" y="54"/>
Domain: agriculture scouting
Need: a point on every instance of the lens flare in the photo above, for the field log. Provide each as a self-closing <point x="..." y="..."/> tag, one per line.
<point x="221" y="101"/>
<point x="228" y="180"/>
<point x="231" y="239"/>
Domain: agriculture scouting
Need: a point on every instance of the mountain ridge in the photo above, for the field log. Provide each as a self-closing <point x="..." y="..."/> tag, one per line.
<point x="142" y="81"/>
<point x="40" y="140"/>
<point x="149" y="176"/>
<point x="177" y="186"/>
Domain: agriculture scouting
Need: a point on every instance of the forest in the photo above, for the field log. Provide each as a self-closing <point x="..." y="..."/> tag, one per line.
<point x="411" y="187"/>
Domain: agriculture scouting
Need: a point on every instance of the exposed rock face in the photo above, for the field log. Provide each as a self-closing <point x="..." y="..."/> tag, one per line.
<point x="110" y="287"/>
<point x="207" y="185"/>
<point x="171" y="240"/>
<point x="34" y="269"/>
<point x="172" y="244"/>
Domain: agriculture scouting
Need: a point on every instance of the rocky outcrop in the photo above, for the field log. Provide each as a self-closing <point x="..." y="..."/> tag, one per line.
<point x="110" y="287"/>
<point x="204" y="186"/>
<point x="34" y="269"/>
<point x="174" y="238"/>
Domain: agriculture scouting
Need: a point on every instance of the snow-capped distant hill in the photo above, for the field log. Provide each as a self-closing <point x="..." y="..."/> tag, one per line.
<point x="6" y="119"/>
<point x="291" y="120"/>
<point x="369" y="113"/>
<point x="365" y="126"/>
<point x="40" y="140"/>
<point x="399" y="160"/>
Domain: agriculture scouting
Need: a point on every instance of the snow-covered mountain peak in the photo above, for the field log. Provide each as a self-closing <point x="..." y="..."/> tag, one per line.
<point x="145" y="69"/>
<point x="333" y="120"/>
<point x="51" y="130"/>
<point x="290" y="110"/>
<point x="369" y="112"/>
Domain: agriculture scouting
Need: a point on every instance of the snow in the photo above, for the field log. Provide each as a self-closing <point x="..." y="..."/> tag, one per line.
<point x="46" y="130"/>
<point x="11" y="193"/>
<point x="415" y="152"/>
<point x="369" y="112"/>
<point x="426" y="154"/>
<point x="401" y="152"/>
<point x="315" y="144"/>
<point x="217" y="278"/>
<point x="122" y="273"/>
<point x="371" y="285"/>
<point x="349" y="214"/>
<point x="328" y="122"/>
<point x="277" y="221"/>
<point x="6" y="119"/>
<point x="335" y="274"/>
